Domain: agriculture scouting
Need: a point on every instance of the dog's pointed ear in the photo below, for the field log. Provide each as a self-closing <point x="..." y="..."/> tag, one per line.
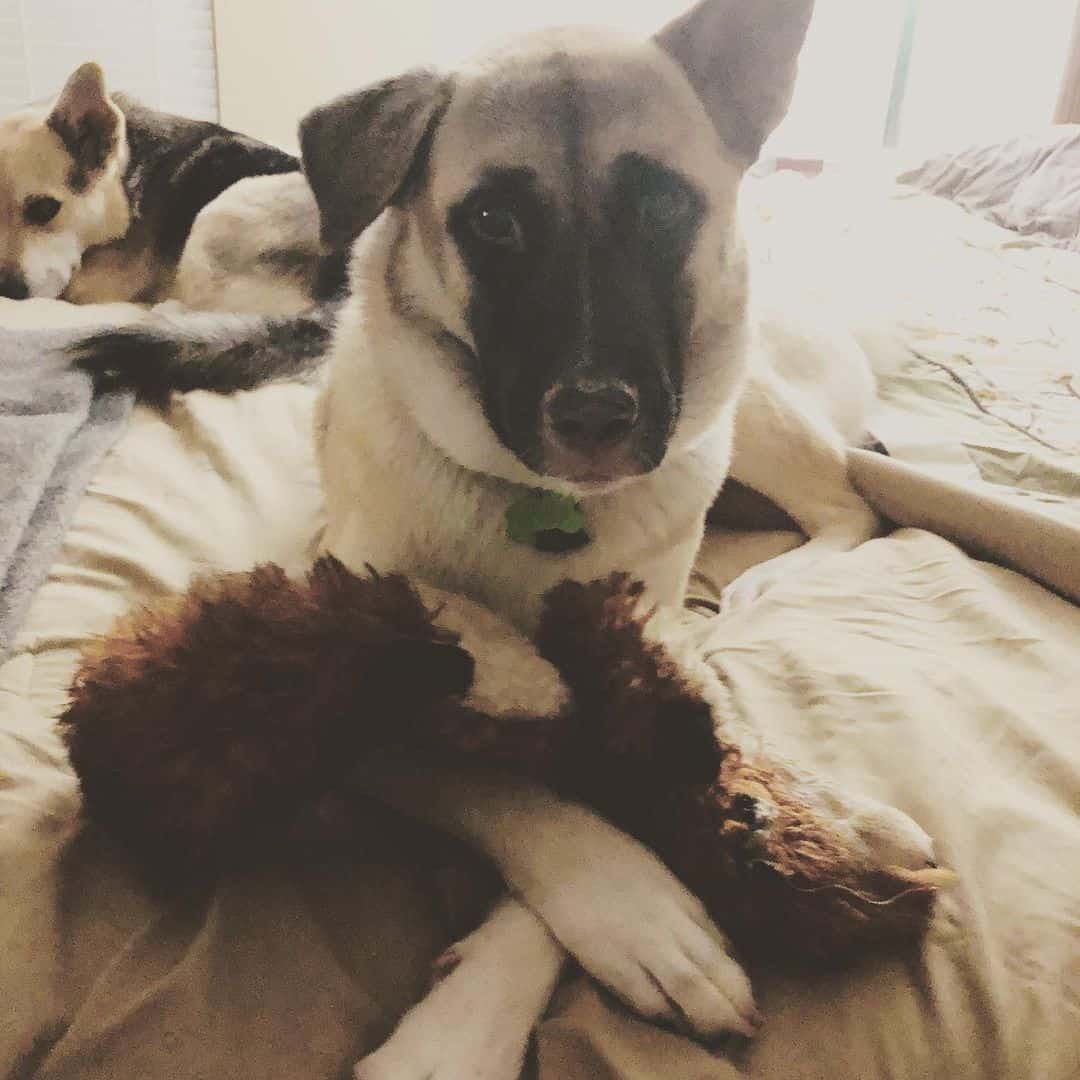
<point x="85" y="119"/>
<point x="359" y="150"/>
<point x="741" y="56"/>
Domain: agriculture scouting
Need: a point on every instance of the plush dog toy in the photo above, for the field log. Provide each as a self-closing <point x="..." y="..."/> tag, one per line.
<point x="202" y="726"/>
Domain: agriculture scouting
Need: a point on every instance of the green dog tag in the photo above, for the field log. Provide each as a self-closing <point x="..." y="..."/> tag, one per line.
<point x="547" y="521"/>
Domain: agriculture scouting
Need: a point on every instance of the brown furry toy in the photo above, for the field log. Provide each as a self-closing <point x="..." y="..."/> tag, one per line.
<point x="201" y="726"/>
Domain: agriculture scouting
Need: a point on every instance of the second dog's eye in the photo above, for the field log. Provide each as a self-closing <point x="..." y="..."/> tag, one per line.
<point x="40" y="209"/>
<point x="495" y="224"/>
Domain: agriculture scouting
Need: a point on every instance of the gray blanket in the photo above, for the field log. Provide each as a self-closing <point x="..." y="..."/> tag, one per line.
<point x="52" y="434"/>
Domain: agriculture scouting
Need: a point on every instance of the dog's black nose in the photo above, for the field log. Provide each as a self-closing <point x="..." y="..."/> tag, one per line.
<point x="590" y="415"/>
<point x="13" y="286"/>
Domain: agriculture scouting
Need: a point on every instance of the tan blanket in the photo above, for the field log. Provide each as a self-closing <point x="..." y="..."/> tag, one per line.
<point x="908" y="670"/>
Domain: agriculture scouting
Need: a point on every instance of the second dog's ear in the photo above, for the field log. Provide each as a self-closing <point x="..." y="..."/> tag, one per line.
<point x="359" y="150"/>
<point x="86" y="121"/>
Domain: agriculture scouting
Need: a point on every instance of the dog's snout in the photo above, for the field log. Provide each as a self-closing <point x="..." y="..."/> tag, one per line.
<point x="13" y="286"/>
<point x="591" y="415"/>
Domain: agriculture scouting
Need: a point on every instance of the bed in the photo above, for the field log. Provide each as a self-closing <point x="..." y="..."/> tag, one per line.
<point x="910" y="669"/>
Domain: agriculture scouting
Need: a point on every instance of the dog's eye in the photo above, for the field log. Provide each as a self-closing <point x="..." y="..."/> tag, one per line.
<point x="662" y="206"/>
<point x="40" y="209"/>
<point x="495" y="224"/>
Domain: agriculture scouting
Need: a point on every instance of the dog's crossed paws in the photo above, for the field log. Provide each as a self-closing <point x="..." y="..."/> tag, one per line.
<point x="618" y="911"/>
<point x="632" y="925"/>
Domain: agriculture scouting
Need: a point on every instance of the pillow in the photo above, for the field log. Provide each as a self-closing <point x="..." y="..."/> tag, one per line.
<point x="1030" y="184"/>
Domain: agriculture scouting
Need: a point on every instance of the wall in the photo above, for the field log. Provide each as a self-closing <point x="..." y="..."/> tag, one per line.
<point x="984" y="69"/>
<point x="279" y="58"/>
<point x="845" y="77"/>
<point x="978" y="67"/>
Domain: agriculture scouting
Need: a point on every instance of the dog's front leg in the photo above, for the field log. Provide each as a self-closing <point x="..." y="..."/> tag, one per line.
<point x="606" y="899"/>
<point x="798" y="460"/>
<point x="492" y="989"/>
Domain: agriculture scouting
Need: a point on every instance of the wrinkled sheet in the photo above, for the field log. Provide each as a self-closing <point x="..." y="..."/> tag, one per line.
<point x="977" y="328"/>
<point x="905" y="669"/>
<point x="1029" y="184"/>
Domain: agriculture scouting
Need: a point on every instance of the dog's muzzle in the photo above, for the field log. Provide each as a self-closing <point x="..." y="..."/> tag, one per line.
<point x="588" y="430"/>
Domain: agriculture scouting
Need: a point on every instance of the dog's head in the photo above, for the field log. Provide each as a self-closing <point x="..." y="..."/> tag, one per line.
<point x="563" y="225"/>
<point x="61" y="185"/>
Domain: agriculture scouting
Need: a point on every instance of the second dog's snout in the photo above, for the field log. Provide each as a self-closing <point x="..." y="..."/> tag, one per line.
<point x="591" y="415"/>
<point x="13" y="286"/>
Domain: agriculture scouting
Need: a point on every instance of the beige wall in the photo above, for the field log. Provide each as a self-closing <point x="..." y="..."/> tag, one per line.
<point x="1068" y="103"/>
<point x="279" y="58"/>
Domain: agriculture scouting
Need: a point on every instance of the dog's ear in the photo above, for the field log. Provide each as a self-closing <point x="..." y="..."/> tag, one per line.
<point x="360" y="150"/>
<point x="741" y="56"/>
<point x="86" y="121"/>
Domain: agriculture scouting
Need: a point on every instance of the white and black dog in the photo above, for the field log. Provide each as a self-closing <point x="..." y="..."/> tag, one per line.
<point x="550" y="293"/>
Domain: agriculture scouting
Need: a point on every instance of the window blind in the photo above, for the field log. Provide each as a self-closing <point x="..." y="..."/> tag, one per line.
<point x="160" y="51"/>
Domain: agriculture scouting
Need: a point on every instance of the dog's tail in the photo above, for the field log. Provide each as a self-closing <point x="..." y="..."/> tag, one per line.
<point x="202" y="351"/>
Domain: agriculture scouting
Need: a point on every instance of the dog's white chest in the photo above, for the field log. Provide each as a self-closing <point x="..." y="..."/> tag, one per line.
<point x="451" y="531"/>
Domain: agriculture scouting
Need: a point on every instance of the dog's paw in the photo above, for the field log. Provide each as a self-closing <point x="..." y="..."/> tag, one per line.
<point x="633" y="926"/>
<point x="490" y="991"/>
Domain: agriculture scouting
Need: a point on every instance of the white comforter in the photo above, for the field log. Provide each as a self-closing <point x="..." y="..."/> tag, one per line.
<point x="907" y="669"/>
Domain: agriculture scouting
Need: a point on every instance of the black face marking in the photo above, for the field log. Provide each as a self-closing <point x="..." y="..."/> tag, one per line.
<point x="196" y="172"/>
<point x="655" y="215"/>
<point x="40" y="209"/>
<point x="89" y="141"/>
<point x="588" y="292"/>
<point x="176" y="166"/>
<point x="517" y="289"/>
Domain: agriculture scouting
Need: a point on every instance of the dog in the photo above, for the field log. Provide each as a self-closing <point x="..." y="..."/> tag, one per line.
<point x="103" y="199"/>
<point x="550" y="291"/>
<point x="550" y="306"/>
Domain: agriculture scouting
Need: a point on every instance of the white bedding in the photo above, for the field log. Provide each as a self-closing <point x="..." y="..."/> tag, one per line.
<point x="979" y="312"/>
<point x="906" y="668"/>
<point x="1027" y="184"/>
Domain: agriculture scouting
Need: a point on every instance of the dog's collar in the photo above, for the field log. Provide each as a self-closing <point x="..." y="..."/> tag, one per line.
<point x="547" y="521"/>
